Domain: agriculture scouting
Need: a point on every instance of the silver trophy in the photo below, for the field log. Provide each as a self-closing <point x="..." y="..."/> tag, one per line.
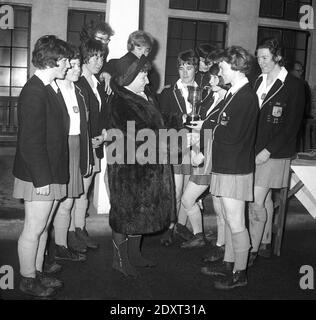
<point x="195" y="97"/>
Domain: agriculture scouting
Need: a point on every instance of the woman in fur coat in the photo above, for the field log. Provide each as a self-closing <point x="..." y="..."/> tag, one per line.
<point x="141" y="191"/>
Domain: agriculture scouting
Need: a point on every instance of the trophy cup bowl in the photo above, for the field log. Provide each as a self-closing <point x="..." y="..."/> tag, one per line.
<point x="195" y="97"/>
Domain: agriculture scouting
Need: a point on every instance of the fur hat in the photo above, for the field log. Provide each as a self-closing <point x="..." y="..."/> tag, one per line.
<point x="128" y="67"/>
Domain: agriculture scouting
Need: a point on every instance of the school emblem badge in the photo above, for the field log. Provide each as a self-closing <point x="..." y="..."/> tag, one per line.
<point x="277" y="111"/>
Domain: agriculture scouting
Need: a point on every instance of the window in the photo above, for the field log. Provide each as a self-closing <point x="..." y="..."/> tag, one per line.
<point x="94" y="0"/>
<point x="294" y="43"/>
<point x="282" y="9"/>
<point x="187" y="34"/>
<point x="77" y="19"/>
<point x="14" y="53"/>
<point x="218" y="6"/>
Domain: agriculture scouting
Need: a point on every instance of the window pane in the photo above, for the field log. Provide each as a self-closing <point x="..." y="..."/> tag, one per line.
<point x="5" y="38"/>
<point x="173" y="47"/>
<point x="21" y="18"/>
<point x="188" y="30"/>
<point x="4" y="56"/>
<point x="15" y="92"/>
<point x="4" y="91"/>
<point x="19" y="57"/>
<point x="4" y="76"/>
<point x="203" y="31"/>
<point x="20" y="38"/>
<point x="199" y="5"/>
<point x="301" y="39"/>
<point x="19" y="77"/>
<point x="175" y="29"/>
<point x="74" y="38"/>
<point x="76" y="21"/>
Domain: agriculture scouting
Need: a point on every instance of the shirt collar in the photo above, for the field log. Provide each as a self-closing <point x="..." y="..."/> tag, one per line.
<point x="281" y="76"/>
<point x="41" y="74"/>
<point x="238" y="85"/>
<point x="181" y="86"/>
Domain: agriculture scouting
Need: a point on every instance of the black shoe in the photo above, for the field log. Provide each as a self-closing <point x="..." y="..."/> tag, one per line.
<point x="211" y="236"/>
<point x="63" y="253"/>
<point x="167" y="238"/>
<point x="252" y="258"/>
<point x="52" y="267"/>
<point x="183" y="232"/>
<point x="216" y="253"/>
<point x="265" y="250"/>
<point x="49" y="282"/>
<point x="33" y="287"/>
<point x="218" y="268"/>
<point x="76" y="244"/>
<point x="83" y="235"/>
<point x="197" y="241"/>
<point x="231" y="281"/>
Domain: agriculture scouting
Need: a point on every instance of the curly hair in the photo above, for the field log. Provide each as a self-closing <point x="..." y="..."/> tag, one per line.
<point x="91" y="48"/>
<point x="139" y="38"/>
<point x="90" y="30"/>
<point x="48" y="50"/>
<point x="275" y="49"/>
<point x="188" y="57"/>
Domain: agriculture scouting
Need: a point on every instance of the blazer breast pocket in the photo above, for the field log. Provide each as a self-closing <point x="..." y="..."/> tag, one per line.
<point x="276" y="112"/>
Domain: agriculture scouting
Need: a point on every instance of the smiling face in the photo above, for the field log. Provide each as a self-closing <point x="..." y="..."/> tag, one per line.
<point x="73" y="73"/>
<point x="186" y="73"/>
<point x="61" y="69"/>
<point x="139" y="83"/>
<point x="214" y="80"/>
<point x="226" y="72"/>
<point x="95" y="64"/>
<point x="265" y="60"/>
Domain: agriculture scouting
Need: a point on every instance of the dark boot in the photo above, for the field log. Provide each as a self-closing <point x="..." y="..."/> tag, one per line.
<point x="231" y="281"/>
<point x="83" y="235"/>
<point x="216" y="253"/>
<point x="218" y="268"/>
<point x="120" y="259"/>
<point x="76" y="244"/>
<point x="252" y="258"/>
<point x="33" y="287"/>
<point x="134" y="253"/>
<point x="167" y="237"/>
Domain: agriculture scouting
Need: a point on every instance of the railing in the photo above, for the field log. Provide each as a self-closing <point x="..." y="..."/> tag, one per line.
<point x="8" y="118"/>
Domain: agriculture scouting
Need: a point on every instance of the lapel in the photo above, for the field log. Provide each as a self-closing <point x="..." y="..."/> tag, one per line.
<point x="179" y="99"/>
<point x="91" y="93"/>
<point x="81" y="102"/>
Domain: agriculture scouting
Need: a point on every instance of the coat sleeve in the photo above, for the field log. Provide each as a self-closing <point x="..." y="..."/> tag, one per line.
<point x="292" y="119"/>
<point x="32" y="136"/>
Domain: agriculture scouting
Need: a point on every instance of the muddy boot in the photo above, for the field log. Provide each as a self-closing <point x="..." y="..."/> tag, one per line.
<point x="134" y="253"/>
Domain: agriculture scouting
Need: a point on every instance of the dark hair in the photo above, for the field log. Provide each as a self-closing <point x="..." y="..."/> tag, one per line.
<point x="275" y="49"/>
<point x="204" y="49"/>
<point x="187" y="57"/>
<point x="89" y="31"/>
<point x="139" y="38"/>
<point x="92" y="48"/>
<point x="48" y="50"/>
<point x="238" y="57"/>
<point x="74" y="52"/>
<point x="214" y="71"/>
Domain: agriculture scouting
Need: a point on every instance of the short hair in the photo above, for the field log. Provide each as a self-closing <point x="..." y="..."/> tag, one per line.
<point x="187" y="57"/>
<point x="92" y="48"/>
<point x="48" y="50"/>
<point x="214" y="71"/>
<point x="89" y="31"/>
<point x="238" y="57"/>
<point x="275" y="49"/>
<point x="139" y="38"/>
<point x="74" y="52"/>
<point x="204" y="49"/>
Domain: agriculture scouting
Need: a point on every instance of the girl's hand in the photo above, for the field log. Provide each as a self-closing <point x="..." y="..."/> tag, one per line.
<point x="196" y="125"/>
<point x="106" y="77"/>
<point x="263" y="156"/>
<point x="97" y="141"/>
<point x="43" y="191"/>
<point x="196" y="158"/>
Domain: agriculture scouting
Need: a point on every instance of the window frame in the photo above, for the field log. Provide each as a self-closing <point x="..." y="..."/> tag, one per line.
<point x="199" y="10"/>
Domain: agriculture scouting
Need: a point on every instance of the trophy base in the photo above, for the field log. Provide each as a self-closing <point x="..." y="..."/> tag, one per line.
<point x="191" y="118"/>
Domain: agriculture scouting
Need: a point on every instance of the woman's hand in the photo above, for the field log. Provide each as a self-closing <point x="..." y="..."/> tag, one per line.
<point x="193" y="138"/>
<point x="196" y="125"/>
<point x="106" y="77"/>
<point x="43" y="191"/>
<point x="196" y="158"/>
<point x="263" y="156"/>
<point x="97" y="141"/>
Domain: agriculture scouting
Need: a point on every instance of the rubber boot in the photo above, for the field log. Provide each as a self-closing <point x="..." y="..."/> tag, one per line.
<point x="120" y="259"/>
<point x="134" y="253"/>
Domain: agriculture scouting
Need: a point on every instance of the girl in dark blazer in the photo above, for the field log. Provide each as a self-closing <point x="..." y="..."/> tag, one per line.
<point x="41" y="161"/>
<point x="92" y="55"/>
<point x="233" y="165"/>
<point x="281" y="99"/>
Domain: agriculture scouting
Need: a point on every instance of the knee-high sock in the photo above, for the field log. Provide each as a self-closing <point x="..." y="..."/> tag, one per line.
<point x="220" y="230"/>
<point x="61" y="225"/>
<point x="27" y="250"/>
<point x="257" y="220"/>
<point x="195" y="218"/>
<point x="229" y="250"/>
<point x="41" y="251"/>
<point x="241" y="244"/>
<point x="267" y="233"/>
<point x="80" y="210"/>
<point x="182" y="215"/>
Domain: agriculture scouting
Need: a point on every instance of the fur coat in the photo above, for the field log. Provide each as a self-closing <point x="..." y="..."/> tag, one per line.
<point x="142" y="195"/>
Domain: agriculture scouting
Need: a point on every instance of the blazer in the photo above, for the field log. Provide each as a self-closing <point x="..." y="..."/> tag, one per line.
<point x="234" y="133"/>
<point x="280" y="117"/>
<point x="42" y="144"/>
<point x="98" y="117"/>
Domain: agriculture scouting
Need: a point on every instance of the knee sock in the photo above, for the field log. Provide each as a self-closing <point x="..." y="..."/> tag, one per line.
<point x="220" y="230"/>
<point x="229" y="250"/>
<point x="27" y="250"/>
<point x="61" y="225"/>
<point x="182" y="215"/>
<point x="81" y="206"/>
<point x="241" y="244"/>
<point x="257" y="220"/>
<point x="195" y="218"/>
<point x="41" y="251"/>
